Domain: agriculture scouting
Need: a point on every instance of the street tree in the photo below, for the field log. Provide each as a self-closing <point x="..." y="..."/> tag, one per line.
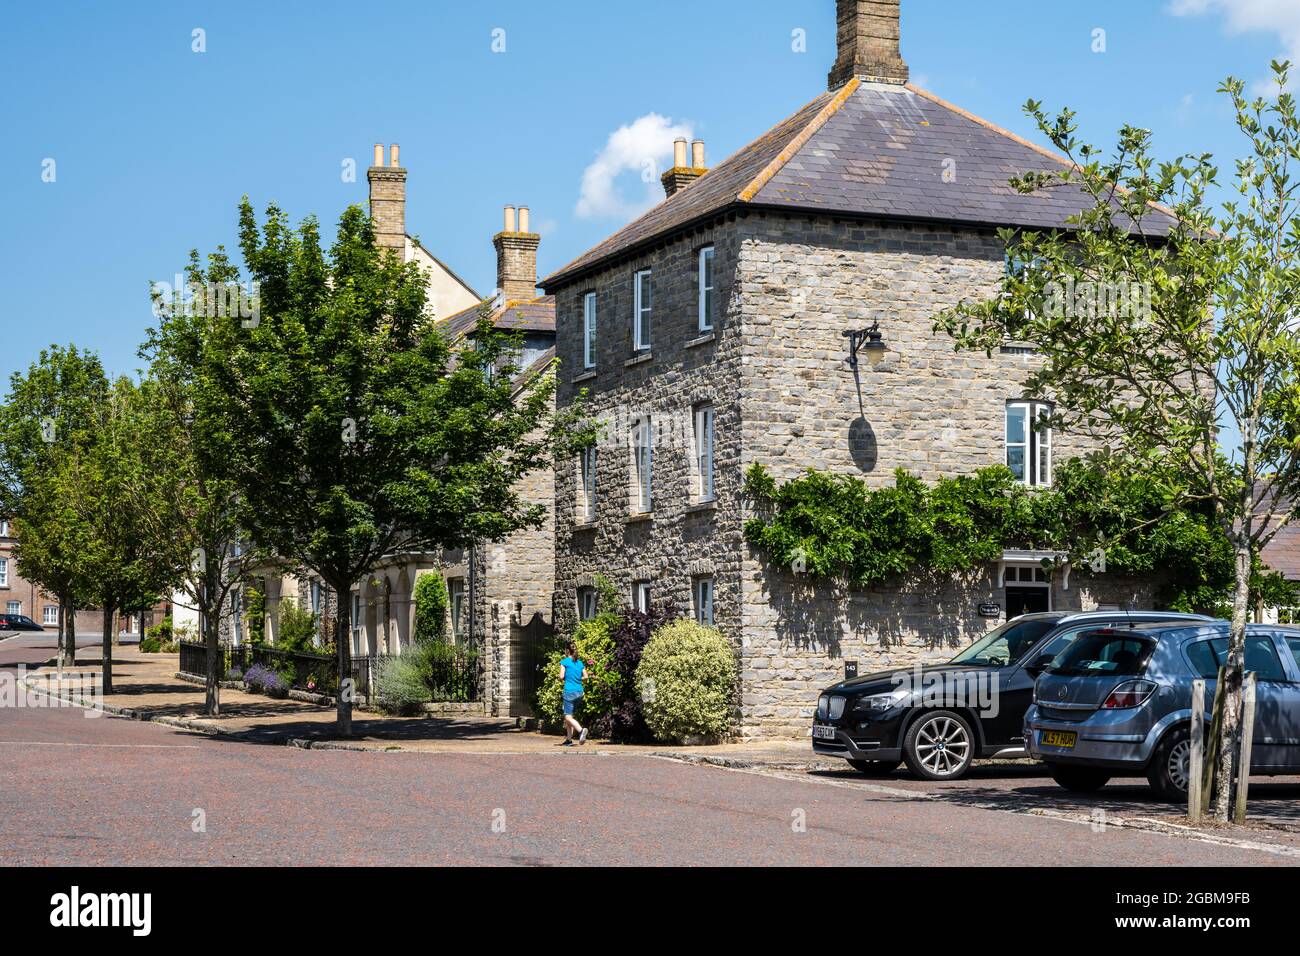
<point x="193" y="511"/>
<point x="110" y="488"/>
<point x="47" y="423"/>
<point x="1162" y="323"/>
<point x="352" y="429"/>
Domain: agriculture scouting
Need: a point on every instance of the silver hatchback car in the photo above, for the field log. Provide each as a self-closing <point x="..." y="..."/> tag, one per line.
<point x="1117" y="702"/>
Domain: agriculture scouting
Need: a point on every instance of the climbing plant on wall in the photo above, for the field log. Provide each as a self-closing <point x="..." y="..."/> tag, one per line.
<point x="835" y="528"/>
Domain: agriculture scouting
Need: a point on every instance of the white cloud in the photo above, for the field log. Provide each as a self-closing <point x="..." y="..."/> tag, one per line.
<point x="1281" y="17"/>
<point x="643" y="147"/>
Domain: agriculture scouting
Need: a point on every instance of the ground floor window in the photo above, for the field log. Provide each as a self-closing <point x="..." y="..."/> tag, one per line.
<point x="587" y="601"/>
<point x="459" y="607"/>
<point x="14" y="607"/>
<point x="641" y="596"/>
<point x="704" y="601"/>
<point x="50" y="615"/>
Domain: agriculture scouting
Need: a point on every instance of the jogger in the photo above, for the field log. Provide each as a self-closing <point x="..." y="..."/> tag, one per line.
<point x="572" y="672"/>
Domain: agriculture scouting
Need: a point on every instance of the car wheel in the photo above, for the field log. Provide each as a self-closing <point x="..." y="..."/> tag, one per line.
<point x="875" y="768"/>
<point x="939" y="745"/>
<point x="1168" y="771"/>
<point x="1078" y="779"/>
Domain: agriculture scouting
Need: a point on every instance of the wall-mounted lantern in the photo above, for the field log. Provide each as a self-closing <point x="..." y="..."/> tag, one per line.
<point x="869" y="342"/>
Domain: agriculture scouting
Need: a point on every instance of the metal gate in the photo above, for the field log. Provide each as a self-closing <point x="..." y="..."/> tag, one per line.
<point x="528" y="645"/>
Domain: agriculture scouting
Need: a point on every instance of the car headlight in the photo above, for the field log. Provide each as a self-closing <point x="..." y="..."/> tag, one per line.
<point x="878" y="702"/>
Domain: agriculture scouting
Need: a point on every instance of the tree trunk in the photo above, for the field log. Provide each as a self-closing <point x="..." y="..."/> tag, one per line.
<point x="212" y="643"/>
<point x="343" y="642"/>
<point x="108" y="649"/>
<point x="1230" y="688"/>
<point x="61" y="655"/>
<point x="69" y="612"/>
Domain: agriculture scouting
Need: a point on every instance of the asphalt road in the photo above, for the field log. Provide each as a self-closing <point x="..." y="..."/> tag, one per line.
<point x="108" y="791"/>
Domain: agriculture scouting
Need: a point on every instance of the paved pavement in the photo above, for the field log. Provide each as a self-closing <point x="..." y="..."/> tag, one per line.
<point x="105" y="790"/>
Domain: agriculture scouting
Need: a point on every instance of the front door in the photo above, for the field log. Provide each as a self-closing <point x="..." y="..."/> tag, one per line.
<point x="1026" y="600"/>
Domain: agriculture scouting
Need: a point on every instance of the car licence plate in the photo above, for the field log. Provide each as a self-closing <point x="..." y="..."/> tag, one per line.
<point x="821" y="732"/>
<point x="1058" y="738"/>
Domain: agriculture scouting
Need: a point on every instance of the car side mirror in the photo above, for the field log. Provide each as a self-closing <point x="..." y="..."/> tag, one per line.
<point x="1039" y="664"/>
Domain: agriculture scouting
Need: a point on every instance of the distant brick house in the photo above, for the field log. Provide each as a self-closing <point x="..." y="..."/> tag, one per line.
<point x="20" y="596"/>
<point x="711" y="335"/>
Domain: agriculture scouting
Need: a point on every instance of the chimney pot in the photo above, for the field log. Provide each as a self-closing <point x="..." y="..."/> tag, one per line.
<point x="379" y="155"/>
<point x="394" y="153"/>
<point x="867" y="33"/>
<point x="510" y="220"/>
<point x="697" y="154"/>
<point x="679" y="153"/>
<point x="523" y="219"/>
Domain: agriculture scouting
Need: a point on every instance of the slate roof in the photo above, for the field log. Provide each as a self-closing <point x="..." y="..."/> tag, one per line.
<point x="535" y="315"/>
<point x="869" y="149"/>
<point x="1282" y="554"/>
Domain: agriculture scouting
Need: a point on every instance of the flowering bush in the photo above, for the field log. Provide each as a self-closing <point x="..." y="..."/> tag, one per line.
<point x="687" y="679"/>
<point x="235" y="674"/>
<point x="259" y="678"/>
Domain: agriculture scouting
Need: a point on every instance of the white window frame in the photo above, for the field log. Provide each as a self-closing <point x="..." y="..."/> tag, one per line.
<point x="707" y="294"/>
<point x="643" y="464"/>
<point x="588" y="603"/>
<point x="4" y="528"/>
<point x="1037" y="446"/>
<point x="642" y="595"/>
<point x="314" y="596"/>
<point x="50" y="615"/>
<point x="13" y="607"/>
<point x="704" y="427"/>
<point x="642" y="309"/>
<point x="457" y="594"/>
<point x="587" y="471"/>
<point x="4" y="572"/>
<point x="704" y="593"/>
<point x="237" y="615"/>
<point x="589" y="330"/>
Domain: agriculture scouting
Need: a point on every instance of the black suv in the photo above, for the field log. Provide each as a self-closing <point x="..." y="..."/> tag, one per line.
<point x="11" y="624"/>
<point x="940" y="717"/>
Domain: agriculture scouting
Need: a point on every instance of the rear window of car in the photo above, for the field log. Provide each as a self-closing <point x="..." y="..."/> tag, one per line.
<point x="1261" y="657"/>
<point x="1103" y="653"/>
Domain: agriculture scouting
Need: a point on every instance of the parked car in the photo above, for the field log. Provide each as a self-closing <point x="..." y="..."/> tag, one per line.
<point x="11" y="624"/>
<point x="1117" y="702"/>
<point x="940" y="717"/>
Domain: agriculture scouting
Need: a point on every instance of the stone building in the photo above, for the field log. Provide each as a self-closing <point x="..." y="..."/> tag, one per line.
<point x="733" y="324"/>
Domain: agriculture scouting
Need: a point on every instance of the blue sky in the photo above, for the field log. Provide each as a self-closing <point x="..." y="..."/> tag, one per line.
<point x="153" y="143"/>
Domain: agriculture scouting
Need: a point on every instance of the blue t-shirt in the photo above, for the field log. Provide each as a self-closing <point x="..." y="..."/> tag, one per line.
<point x="573" y="671"/>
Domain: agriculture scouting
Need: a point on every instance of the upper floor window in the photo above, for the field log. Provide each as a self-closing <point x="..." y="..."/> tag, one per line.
<point x="4" y="527"/>
<point x="587" y="601"/>
<point x="1029" y="443"/>
<point x="704" y="452"/>
<point x="642" y="464"/>
<point x="315" y="596"/>
<point x="706" y="289"/>
<point x="704" y="601"/>
<point x="589" y="330"/>
<point x="587" y="488"/>
<point x="4" y="572"/>
<point x="641" y="306"/>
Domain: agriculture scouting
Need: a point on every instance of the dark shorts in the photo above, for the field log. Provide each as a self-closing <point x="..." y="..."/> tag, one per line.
<point x="570" y="700"/>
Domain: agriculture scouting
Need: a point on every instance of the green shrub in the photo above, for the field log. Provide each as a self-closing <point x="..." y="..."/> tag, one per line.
<point x="149" y="645"/>
<point x="401" y="684"/>
<point x="601" y="685"/>
<point x="297" y="628"/>
<point x="430" y="608"/>
<point x="255" y="601"/>
<point x="687" y="678"/>
<point x="158" y="634"/>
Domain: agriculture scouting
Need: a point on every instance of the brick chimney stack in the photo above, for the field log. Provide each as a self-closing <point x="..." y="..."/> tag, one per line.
<point x="388" y="201"/>
<point x="516" y="257"/>
<point x="868" y="36"/>
<point x="685" y="170"/>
